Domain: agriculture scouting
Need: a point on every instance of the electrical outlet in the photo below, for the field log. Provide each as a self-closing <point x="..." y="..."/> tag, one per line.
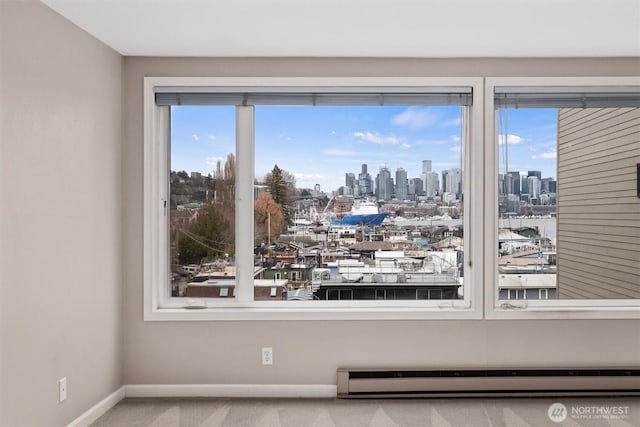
<point x="267" y="356"/>
<point x="62" y="389"/>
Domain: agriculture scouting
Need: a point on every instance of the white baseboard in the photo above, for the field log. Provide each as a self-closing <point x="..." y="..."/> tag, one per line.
<point x="99" y="409"/>
<point x="232" y="390"/>
<point x="203" y="390"/>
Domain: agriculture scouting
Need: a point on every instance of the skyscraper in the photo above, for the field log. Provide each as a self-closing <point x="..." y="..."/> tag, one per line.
<point x="426" y="166"/>
<point x="426" y="170"/>
<point x="402" y="185"/>
<point x="365" y="184"/>
<point x="431" y="184"/>
<point x="384" y="187"/>
<point x="416" y="187"/>
<point x="349" y="180"/>
<point x="514" y="183"/>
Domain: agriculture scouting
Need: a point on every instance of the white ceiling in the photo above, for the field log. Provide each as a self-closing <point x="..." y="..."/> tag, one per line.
<point x="361" y="28"/>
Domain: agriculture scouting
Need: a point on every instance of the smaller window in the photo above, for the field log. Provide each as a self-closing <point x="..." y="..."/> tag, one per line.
<point x="274" y="292"/>
<point x="224" y="292"/>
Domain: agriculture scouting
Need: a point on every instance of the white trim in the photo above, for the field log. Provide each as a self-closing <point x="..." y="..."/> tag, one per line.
<point x="99" y="409"/>
<point x="245" y="167"/>
<point x="233" y="390"/>
<point x="536" y="309"/>
<point x="203" y="390"/>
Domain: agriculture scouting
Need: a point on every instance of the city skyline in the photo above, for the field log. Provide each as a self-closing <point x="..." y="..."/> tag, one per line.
<point x="318" y="145"/>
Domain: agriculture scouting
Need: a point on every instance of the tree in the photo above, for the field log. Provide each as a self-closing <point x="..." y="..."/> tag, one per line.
<point x="212" y="233"/>
<point x="224" y="189"/>
<point x="282" y="187"/>
<point x="268" y="217"/>
<point x="209" y="236"/>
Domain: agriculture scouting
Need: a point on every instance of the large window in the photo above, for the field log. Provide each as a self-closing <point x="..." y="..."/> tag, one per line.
<point x="202" y="202"/>
<point x="360" y="202"/>
<point x="332" y="196"/>
<point x="392" y="198"/>
<point x="567" y="223"/>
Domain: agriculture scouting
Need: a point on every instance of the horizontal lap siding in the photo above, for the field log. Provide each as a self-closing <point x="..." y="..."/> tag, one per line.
<point x="598" y="207"/>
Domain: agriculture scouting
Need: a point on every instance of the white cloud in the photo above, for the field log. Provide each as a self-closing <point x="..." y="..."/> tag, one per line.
<point x="511" y="139"/>
<point x="415" y="118"/>
<point x="195" y="137"/>
<point x="340" y="153"/>
<point x="376" y="138"/>
<point x="285" y="136"/>
<point x="212" y="137"/>
<point x="405" y="146"/>
<point x="455" y="149"/>
<point x="308" y="176"/>
<point x="553" y="154"/>
<point x="455" y="138"/>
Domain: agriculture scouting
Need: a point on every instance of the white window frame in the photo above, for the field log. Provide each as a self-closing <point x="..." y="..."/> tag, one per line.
<point x="160" y="305"/>
<point x="550" y="308"/>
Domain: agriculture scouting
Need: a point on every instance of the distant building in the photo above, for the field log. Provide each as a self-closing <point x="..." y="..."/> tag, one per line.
<point x="426" y="166"/>
<point x="196" y="177"/>
<point x="402" y="184"/>
<point x="350" y="181"/>
<point x="431" y="184"/>
<point x="513" y="183"/>
<point x="384" y="186"/>
<point x="416" y="187"/>
<point x="365" y="183"/>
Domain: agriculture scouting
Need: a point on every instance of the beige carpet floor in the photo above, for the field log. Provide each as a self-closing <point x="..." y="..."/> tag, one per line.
<point x="525" y="412"/>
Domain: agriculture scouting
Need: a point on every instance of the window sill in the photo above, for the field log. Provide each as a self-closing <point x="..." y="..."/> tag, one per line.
<point x="577" y="310"/>
<point x="315" y="312"/>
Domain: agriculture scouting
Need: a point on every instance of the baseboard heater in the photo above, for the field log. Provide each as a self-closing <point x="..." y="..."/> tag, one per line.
<point x="378" y="383"/>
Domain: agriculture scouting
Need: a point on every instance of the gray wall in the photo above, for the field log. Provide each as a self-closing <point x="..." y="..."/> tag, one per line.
<point x="310" y="352"/>
<point x="598" y="206"/>
<point x="60" y="224"/>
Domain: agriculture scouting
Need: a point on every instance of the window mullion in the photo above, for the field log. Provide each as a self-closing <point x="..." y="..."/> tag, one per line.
<point x="244" y="202"/>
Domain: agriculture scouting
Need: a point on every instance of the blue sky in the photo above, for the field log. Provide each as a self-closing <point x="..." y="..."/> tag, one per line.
<point x="320" y="144"/>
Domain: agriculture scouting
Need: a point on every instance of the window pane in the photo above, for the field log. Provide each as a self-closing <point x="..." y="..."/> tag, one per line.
<point x="202" y="202"/>
<point x="360" y="202"/>
<point x="569" y="215"/>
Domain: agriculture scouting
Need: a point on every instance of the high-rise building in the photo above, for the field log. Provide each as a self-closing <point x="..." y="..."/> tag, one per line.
<point x="514" y="183"/>
<point x="445" y="181"/>
<point x="384" y="186"/>
<point x="426" y="169"/>
<point x="426" y="166"/>
<point x="431" y="184"/>
<point x="535" y="185"/>
<point x="452" y="181"/>
<point x="416" y="187"/>
<point x="535" y="173"/>
<point x="402" y="185"/>
<point x="350" y="180"/>
<point x="456" y="182"/>
<point x="365" y="184"/>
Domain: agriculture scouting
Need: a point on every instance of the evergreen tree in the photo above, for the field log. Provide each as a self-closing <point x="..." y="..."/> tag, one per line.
<point x="282" y="187"/>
